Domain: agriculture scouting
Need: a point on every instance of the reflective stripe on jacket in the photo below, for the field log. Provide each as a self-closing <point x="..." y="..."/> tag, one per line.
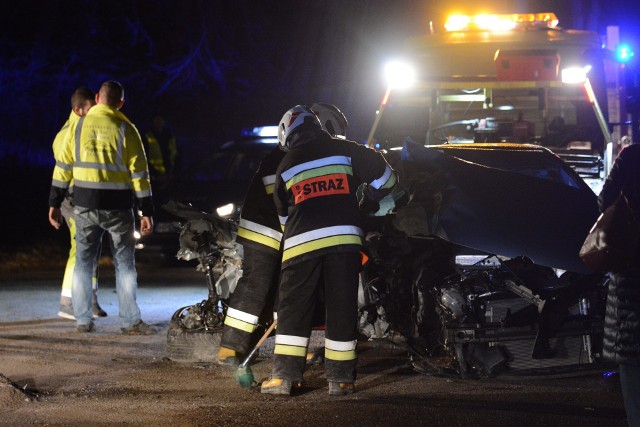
<point x="103" y="154"/>
<point x="259" y="225"/>
<point x="61" y="136"/>
<point x="315" y="194"/>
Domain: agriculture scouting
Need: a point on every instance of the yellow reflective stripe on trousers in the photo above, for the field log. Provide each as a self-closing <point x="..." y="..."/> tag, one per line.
<point x="291" y="345"/>
<point x="321" y="244"/>
<point x="241" y="320"/>
<point x="340" y="350"/>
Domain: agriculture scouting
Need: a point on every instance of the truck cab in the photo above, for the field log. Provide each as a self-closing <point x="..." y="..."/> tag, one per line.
<point x="516" y="78"/>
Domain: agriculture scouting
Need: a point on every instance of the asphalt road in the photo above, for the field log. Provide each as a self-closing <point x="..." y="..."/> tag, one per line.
<point x="52" y="375"/>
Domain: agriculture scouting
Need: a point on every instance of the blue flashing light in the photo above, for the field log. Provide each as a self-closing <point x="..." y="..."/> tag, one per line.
<point x="624" y="53"/>
<point x="261" y="131"/>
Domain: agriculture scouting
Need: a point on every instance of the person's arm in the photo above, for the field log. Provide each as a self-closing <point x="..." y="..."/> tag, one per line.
<point x="139" y="170"/>
<point x="372" y="168"/>
<point x="62" y="174"/>
<point x="280" y="199"/>
<point x="614" y="182"/>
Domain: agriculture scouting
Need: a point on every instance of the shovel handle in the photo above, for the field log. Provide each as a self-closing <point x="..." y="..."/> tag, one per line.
<point x="259" y="344"/>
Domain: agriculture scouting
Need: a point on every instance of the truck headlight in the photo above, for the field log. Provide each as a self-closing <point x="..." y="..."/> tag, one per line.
<point x="399" y="74"/>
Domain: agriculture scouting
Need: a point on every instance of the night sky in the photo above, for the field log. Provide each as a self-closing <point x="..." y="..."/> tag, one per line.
<point x="212" y="67"/>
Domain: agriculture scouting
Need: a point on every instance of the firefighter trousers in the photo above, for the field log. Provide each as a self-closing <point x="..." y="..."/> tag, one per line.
<point x="336" y="276"/>
<point x="254" y="293"/>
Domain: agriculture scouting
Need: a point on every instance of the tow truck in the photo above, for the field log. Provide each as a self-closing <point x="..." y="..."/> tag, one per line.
<point x="510" y="78"/>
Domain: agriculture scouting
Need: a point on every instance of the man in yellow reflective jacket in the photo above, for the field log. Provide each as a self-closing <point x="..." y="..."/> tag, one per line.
<point x="82" y="100"/>
<point x="104" y="156"/>
<point x="162" y="150"/>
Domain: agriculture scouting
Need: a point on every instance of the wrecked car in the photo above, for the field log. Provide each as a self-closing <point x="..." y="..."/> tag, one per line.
<point x="195" y="330"/>
<point x="475" y="265"/>
<point x="479" y="270"/>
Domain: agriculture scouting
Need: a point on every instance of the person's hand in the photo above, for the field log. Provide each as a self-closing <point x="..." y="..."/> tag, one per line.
<point x="55" y="218"/>
<point x="146" y="225"/>
<point x="368" y="206"/>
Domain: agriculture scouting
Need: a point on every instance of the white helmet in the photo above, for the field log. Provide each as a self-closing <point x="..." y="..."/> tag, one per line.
<point x="331" y="118"/>
<point x="292" y="119"/>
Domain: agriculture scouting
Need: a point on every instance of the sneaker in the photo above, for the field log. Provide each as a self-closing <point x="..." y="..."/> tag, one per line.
<point x="86" y="328"/>
<point x="341" y="389"/>
<point x="66" y="311"/>
<point x="139" y="328"/>
<point x="97" y="311"/>
<point x="278" y="386"/>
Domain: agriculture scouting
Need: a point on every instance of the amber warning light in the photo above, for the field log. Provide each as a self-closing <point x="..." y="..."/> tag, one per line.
<point x="500" y="22"/>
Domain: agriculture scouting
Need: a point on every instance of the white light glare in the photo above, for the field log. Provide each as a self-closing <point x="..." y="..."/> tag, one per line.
<point x="266" y="131"/>
<point x="226" y="210"/>
<point x="399" y="75"/>
<point x="575" y="75"/>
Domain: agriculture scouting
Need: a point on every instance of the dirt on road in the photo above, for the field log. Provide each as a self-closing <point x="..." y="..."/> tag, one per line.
<point x="52" y="375"/>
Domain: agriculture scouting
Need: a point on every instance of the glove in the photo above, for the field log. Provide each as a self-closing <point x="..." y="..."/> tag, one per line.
<point x="368" y="206"/>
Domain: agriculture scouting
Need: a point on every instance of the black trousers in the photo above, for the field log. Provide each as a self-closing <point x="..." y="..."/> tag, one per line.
<point x="336" y="276"/>
<point x="254" y="294"/>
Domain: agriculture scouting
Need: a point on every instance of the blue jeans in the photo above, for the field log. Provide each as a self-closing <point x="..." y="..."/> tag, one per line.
<point x="91" y="224"/>
<point x="630" y="384"/>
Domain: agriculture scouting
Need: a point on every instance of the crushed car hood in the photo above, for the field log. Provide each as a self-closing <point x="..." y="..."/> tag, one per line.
<point x="511" y="201"/>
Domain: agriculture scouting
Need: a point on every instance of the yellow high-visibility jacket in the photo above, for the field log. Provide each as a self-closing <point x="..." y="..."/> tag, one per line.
<point x="162" y="159"/>
<point x="104" y="156"/>
<point x="62" y="135"/>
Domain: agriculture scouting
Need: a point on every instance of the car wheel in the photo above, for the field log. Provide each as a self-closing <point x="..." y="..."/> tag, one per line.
<point x="192" y="345"/>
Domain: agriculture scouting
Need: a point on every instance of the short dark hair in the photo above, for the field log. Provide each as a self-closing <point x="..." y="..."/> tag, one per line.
<point x="113" y="92"/>
<point x="80" y="96"/>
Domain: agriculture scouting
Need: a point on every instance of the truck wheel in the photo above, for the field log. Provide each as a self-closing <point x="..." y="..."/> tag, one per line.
<point x="192" y="345"/>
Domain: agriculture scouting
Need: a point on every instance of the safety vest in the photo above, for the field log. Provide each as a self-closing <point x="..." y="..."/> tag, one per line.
<point x="62" y="135"/>
<point x="155" y="155"/>
<point x="103" y="154"/>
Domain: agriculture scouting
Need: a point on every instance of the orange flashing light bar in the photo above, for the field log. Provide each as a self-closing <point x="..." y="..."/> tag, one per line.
<point x="500" y="22"/>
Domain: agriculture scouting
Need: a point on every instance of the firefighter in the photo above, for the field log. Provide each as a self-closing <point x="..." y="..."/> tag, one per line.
<point x="82" y="100"/>
<point x="315" y="197"/>
<point x="260" y="234"/>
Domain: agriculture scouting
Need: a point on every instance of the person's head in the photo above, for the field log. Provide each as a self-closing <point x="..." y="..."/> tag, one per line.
<point x="111" y="93"/>
<point x="82" y="100"/>
<point x="331" y="119"/>
<point x="294" y="121"/>
<point x="157" y="123"/>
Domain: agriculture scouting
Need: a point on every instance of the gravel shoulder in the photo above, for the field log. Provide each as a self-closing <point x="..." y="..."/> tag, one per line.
<point x="52" y="375"/>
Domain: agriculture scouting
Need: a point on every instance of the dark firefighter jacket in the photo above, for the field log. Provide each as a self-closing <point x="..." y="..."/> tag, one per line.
<point x="315" y="193"/>
<point x="622" y="316"/>
<point x="103" y="154"/>
<point x="259" y="225"/>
